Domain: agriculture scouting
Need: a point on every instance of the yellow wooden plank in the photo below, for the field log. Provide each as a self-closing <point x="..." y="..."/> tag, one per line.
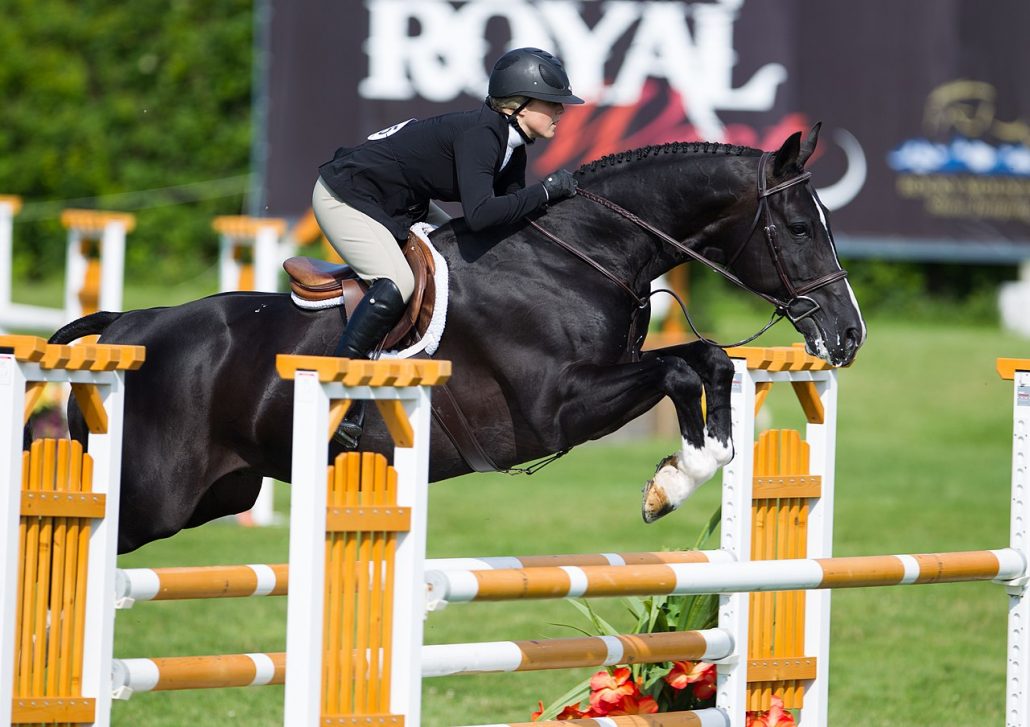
<point x="54" y="710"/>
<point x="105" y="358"/>
<point x="57" y="356"/>
<point x="82" y="356"/>
<point x="96" y="220"/>
<point x="362" y="720"/>
<point x="337" y="411"/>
<point x="132" y="357"/>
<point x="243" y="226"/>
<point x="761" y="392"/>
<point x="353" y="372"/>
<point x="63" y="504"/>
<point x="33" y="393"/>
<point x="811" y="403"/>
<point x="92" y="406"/>
<point x="774" y="670"/>
<point x="397" y="422"/>
<point x="779" y="358"/>
<point x="24" y="348"/>
<point x="368" y="519"/>
<point x="1007" y="367"/>
<point x="772" y="487"/>
<point x="13" y="201"/>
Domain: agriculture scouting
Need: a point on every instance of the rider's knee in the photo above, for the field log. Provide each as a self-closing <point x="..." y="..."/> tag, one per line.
<point x="405" y="281"/>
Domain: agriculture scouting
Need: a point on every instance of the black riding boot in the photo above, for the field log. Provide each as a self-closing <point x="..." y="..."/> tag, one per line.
<point x="373" y="318"/>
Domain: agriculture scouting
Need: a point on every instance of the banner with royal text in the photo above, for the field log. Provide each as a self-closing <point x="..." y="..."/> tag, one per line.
<point x="925" y="149"/>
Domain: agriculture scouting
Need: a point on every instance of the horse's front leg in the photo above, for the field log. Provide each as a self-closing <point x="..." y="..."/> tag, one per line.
<point x="706" y="435"/>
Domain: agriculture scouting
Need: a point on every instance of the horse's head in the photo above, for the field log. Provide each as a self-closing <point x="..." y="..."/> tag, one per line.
<point x="797" y="268"/>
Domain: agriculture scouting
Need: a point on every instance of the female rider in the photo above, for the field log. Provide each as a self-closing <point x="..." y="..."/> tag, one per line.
<point x="368" y="196"/>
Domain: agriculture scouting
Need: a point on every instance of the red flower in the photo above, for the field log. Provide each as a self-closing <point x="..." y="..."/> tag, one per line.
<point x="536" y="715"/>
<point x="634" y="704"/>
<point x="701" y="674"/>
<point x="608" y="690"/>
<point x="776" y="716"/>
<point x="572" y="711"/>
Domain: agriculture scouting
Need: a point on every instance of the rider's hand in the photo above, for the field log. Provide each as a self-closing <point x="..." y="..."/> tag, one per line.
<point x="559" y="185"/>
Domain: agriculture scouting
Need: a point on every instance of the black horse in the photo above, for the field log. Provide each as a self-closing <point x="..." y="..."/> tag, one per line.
<point x="544" y="341"/>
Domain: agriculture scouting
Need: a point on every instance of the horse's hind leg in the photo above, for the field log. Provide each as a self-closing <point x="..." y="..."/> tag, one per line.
<point x="707" y="442"/>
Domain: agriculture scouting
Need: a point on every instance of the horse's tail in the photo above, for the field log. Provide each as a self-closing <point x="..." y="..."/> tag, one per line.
<point x="91" y="325"/>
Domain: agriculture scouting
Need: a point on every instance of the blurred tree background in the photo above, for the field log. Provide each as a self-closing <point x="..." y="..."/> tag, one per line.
<point x="141" y="107"/>
<point x="145" y="107"/>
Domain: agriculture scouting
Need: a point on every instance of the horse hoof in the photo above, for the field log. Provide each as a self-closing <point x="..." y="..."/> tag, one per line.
<point x="656" y="504"/>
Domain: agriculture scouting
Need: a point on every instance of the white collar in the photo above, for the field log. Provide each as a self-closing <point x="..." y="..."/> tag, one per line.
<point x="515" y="140"/>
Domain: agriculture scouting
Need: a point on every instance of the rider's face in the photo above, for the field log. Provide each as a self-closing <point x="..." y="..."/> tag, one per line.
<point x="540" y="118"/>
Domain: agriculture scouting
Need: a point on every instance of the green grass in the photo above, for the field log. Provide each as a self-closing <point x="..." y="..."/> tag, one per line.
<point x="923" y="465"/>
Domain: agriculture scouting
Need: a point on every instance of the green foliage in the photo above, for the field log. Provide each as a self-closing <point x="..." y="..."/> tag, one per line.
<point x="653" y="614"/>
<point x="104" y="99"/>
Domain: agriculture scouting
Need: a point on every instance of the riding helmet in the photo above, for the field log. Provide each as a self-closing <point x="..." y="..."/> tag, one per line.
<point x="533" y="73"/>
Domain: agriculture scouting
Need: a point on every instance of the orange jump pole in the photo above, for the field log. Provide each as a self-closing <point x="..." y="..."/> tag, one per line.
<point x="677" y="579"/>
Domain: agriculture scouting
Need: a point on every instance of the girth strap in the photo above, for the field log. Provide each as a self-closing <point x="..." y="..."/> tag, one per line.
<point x="452" y="420"/>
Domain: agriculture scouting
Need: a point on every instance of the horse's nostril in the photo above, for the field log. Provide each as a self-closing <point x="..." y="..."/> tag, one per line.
<point x="852" y="337"/>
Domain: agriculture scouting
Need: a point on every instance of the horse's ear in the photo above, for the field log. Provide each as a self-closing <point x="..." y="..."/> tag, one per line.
<point x="787" y="155"/>
<point x="808" y="145"/>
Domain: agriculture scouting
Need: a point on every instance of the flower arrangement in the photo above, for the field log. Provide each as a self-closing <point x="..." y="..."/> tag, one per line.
<point x="650" y="688"/>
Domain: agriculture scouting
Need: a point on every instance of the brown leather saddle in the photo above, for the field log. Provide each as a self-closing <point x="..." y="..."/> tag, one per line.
<point x="317" y="280"/>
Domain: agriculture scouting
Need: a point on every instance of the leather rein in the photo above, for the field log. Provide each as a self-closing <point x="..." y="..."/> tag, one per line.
<point x="796" y="307"/>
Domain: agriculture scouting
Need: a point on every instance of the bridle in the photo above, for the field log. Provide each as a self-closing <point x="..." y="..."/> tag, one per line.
<point x="798" y="304"/>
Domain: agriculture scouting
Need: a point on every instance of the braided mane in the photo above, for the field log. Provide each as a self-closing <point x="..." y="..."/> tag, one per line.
<point x="674" y="147"/>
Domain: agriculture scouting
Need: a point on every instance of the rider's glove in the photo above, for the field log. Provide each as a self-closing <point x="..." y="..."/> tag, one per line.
<point x="559" y="185"/>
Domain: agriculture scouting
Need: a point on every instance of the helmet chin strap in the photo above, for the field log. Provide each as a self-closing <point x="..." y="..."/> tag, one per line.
<point x="514" y="121"/>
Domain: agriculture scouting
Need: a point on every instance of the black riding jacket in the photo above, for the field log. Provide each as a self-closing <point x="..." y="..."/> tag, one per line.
<point x="455" y="157"/>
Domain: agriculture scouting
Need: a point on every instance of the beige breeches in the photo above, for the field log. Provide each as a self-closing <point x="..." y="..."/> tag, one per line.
<point x="362" y="242"/>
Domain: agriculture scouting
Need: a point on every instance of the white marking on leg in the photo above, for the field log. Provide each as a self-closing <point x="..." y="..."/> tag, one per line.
<point x="720" y="452"/>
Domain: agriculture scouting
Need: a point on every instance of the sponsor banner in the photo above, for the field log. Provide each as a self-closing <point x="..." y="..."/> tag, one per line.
<point x="925" y="150"/>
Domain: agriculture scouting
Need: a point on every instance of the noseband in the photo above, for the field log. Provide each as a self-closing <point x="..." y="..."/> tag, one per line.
<point x="796" y="307"/>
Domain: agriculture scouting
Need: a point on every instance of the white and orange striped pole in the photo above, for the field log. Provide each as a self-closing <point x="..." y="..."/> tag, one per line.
<point x="437" y="660"/>
<point x="242" y="581"/>
<point x="681" y="579"/>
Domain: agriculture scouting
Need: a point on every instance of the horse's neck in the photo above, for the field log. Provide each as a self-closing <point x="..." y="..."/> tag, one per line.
<point x="696" y="203"/>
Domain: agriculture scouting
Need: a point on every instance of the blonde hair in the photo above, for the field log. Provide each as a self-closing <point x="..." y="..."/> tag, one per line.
<point x="506" y="103"/>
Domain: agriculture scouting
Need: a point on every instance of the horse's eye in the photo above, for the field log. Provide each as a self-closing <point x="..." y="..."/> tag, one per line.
<point x="798" y="229"/>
